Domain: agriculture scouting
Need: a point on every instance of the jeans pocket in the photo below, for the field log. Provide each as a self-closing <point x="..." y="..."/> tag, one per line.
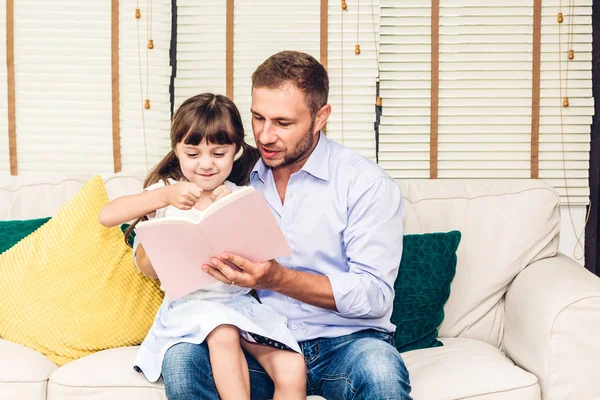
<point x="385" y="336"/>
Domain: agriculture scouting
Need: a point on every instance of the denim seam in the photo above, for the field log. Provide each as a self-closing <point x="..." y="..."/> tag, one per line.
<point x="337" y="378"/>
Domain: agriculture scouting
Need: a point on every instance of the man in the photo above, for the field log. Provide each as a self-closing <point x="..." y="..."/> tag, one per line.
<point x="342" y="215"/>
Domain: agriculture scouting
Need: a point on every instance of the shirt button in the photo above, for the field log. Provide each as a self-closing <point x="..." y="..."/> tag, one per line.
<point x="294" y="326"/>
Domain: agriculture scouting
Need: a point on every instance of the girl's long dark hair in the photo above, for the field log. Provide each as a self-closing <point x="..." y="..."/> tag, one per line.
<point x="205" y="116"/>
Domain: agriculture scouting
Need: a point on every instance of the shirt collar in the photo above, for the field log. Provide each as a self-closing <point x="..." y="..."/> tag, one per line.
<point x="317" y="164"/>
<point x="259" y="168"/>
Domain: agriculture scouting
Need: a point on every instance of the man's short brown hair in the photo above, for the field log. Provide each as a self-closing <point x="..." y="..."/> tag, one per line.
<point x="299" y="69"/>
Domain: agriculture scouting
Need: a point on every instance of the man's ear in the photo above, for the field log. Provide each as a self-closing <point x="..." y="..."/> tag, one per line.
<point x="322" y="116"/>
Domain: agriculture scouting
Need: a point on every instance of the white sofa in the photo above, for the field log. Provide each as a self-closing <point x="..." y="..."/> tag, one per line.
<point x="522" y="321"/>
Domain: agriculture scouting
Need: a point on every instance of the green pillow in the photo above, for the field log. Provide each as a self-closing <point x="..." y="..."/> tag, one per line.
<point x="12" y="231"/>
<point x="422" y="288"/>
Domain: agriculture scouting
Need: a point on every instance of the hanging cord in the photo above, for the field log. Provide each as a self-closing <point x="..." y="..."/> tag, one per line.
<point x="571" y="54"/>
<point x="565" y="99"/>
<point x="375" y="39"/>
<point x="138" y="15"/>
<point x="344" y="8"/>
<point x="357" y="47"/>
<point x="378" y="101"/>
<point x="148" y="48"/>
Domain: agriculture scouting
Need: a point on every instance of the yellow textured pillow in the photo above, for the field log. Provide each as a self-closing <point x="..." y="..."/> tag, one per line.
<point x="70" y="288"/>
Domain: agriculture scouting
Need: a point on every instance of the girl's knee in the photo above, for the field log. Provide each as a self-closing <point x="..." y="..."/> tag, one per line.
<point x="224" y="336"/>
<point x="291" y="372"/>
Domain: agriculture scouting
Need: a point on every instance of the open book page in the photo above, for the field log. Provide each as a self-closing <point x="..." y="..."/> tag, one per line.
<point x="230" y="198"/>
<point x="214" y="207"/>
<point x="177" y="249"/>
<point x="247" y="229"/>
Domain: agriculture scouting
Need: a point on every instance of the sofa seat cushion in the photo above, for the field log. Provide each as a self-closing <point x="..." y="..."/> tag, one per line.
<point x="23" y="372"/>
<point x="467" y="368"/>
<point x="106" y="375"/>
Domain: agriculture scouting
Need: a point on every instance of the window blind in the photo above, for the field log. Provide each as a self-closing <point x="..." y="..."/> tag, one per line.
<point x="152" y="67"/>
<point x="485" y="91"/>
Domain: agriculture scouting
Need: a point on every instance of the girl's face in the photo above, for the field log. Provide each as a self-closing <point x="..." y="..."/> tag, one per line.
<point x="207" y="164"/>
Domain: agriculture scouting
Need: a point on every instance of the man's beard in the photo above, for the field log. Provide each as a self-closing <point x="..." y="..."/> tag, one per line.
<point x="302" y="147"/>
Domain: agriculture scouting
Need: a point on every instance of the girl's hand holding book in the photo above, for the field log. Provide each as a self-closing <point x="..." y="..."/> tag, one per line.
<point x="219" y="193"/>
<point x="183" y="195"/>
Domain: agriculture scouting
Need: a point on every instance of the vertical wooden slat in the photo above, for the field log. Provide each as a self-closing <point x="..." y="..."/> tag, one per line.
<point x="229" y="50"/>
<point x="535" y="88"/>
<point x="116" y="118"/>
<point x="324" y="31"/>
<point x="10" y="74"/>
<point x="435" y="84"/>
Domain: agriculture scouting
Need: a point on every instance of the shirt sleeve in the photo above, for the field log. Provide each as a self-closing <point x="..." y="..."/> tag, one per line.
<point x="160" y="213"/>
<point x="373" y="243"/>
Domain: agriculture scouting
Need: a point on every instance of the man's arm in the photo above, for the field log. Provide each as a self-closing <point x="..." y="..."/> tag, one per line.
<point x="373" y="241"/>
<point x="308" y="288"/>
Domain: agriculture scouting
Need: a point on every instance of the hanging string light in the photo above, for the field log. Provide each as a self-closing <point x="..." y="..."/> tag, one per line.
<point x="565" y="103"/>
<point x="145" y="103"/>
<point x="357" y="47"/>
<point x="378" y="101"/>
<point x="570" y="53"/>
<point x="149" y="26"/>
<point x="149" y="47"/>
<point x="344" y="8"/>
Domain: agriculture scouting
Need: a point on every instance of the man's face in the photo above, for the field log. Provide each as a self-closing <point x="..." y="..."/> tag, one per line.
<point x="283" y="128"/>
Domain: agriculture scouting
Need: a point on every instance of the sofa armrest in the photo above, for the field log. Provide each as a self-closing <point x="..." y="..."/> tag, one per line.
<point x="552" y="327"/>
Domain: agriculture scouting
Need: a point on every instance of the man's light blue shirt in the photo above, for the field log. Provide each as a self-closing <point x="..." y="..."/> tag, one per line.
<point x="343" y="217"/>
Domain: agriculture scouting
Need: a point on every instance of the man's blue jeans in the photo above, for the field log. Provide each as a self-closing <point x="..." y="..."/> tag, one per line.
<point x="363" y="365"/>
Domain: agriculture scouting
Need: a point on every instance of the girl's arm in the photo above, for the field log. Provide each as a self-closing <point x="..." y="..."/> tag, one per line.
<point x="182" y="195"/>
<point x="127" y="208"/>
<point x="143" y="262"/>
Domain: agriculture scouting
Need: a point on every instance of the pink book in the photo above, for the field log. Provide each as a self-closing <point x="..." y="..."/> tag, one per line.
<point x="240" y="223"/>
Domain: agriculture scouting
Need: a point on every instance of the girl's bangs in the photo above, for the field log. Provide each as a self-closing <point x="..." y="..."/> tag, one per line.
<point x="216" y="130"/>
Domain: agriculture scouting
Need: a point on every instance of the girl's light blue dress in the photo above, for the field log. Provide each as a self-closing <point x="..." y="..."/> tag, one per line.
<point x="191" y="318"/>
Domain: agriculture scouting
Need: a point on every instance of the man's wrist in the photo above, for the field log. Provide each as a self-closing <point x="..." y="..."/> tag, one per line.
<point x="280" y="276"/>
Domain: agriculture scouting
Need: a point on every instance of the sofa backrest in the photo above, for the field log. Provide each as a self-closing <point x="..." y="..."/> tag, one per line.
<point x="505" y="225"/>
<point x="24" y="197"/>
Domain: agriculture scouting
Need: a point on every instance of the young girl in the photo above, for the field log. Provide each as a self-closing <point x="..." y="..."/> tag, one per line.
<point x="208" y="160"/>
